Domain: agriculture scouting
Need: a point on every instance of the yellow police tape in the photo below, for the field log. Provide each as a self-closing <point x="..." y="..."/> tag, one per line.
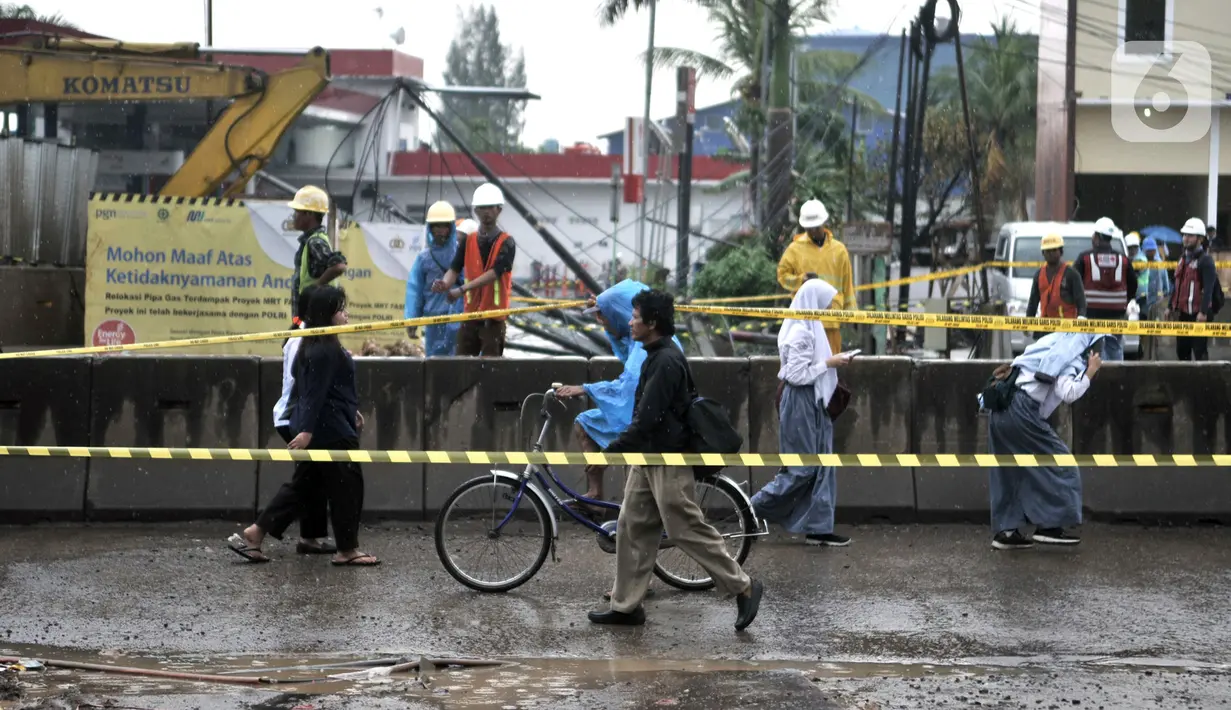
<point x="284" y="334"/>
<point x="560" y="458"/>
<point x="977" y="322"/>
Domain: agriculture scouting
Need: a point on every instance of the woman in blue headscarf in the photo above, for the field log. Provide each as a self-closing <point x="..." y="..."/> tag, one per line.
<point x="1052" y="370"/>
<point x="613" y="412"/>
<point x="431" y="264"/>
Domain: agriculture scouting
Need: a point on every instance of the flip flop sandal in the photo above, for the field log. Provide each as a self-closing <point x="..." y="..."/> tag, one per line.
<point x="321" y="549"/>
<point x="240" y="546"/>
<point x="649" y="594"/>
<point x="355" y="562"/>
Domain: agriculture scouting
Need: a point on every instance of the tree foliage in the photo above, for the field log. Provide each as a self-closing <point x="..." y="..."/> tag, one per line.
<point x="745" y="269"/>
<point x="14" y="11"/>
<point x="478" y="58"/>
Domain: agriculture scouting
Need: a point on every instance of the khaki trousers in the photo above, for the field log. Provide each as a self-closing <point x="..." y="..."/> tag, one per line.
<point x="658" y="497"/>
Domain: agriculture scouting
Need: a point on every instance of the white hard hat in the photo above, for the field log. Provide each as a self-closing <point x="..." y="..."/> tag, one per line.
<point x="813" y="214"/>
<point x="1105" y="226"/>
<point x="487" y="195"/>
<point x="467" y="226"/>
<point x="1132" y="240"/>
<point x="440" y="212"/>
<point x="1194" y="226"/>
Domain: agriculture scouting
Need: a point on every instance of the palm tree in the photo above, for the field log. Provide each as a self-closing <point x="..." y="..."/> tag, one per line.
<point x="13" y="11"/>
<point x="1001" y="84"/>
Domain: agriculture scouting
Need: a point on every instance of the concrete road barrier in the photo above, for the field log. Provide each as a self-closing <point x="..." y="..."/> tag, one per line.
<point x="946" y="419"/>
<point x="44" y="402"/>
<point x="1155" y="408"/>
<point x="173" y="401"/>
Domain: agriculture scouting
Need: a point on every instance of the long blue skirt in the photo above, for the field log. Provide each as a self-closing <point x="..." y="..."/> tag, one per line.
<point x="1047" y="496"/>
<point x="801" y="498"/>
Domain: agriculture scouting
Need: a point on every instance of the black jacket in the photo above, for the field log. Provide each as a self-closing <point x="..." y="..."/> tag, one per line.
<point x="662" y="401"/>
<point x="325" y="387"/>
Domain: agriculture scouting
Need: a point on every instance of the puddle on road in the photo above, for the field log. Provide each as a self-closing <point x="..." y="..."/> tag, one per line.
<point x="518" y="683"/>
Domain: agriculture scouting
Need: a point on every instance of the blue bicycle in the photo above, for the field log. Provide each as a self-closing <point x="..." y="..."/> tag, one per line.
<point x="508" y="518"/>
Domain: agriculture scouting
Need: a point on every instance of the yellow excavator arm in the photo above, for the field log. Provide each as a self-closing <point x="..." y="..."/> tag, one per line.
<point x="245" y="135"/>
<point x="64" y="70"/>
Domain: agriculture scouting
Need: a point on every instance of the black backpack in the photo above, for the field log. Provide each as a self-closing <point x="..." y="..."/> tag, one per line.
<point x="709" y="424"/>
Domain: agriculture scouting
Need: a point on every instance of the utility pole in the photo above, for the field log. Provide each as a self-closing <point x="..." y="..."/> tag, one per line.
<point x="615" y="221"/>
<point x="976" y="188"/>
<point x="209" y="42"/>
<point x="850" y="166"/>
<point x="686" y="116"/>
<point x="645" y="138"/>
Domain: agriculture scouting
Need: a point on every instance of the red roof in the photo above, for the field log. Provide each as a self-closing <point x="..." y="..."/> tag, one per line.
<point x="42" y="28"/>
<point x="342" y="62"/>
<point x="547" y="165"/>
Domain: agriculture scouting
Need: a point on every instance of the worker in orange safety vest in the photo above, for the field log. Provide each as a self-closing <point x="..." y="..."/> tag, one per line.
<point x="486" y="259"/>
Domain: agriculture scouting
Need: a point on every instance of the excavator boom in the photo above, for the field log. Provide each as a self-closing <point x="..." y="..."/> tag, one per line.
<point x="245" y="135"/>
<point x="38" y="76"/>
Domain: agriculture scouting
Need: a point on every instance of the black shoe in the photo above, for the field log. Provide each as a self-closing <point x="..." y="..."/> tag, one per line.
<point x="748" y="606"/>
<point x="1011" y="540"/>
<point x="1054" y="536"/>
<point x="636" y="617"/>
<point x="830" y="540"/>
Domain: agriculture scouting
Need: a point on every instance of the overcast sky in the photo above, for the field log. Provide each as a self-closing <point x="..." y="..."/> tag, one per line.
<point x="590" y="77"/>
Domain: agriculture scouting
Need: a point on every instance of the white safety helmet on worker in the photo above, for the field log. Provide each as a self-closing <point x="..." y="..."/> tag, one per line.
<point x="813" y="214"/>
<point x="1194" y="226"/>
<point x="441" y="212"/>
<point x="1105" y="227"/>
<point x="487" y="195"/>
<point x="311" y="198"/>
<point x="1132" y="240"/>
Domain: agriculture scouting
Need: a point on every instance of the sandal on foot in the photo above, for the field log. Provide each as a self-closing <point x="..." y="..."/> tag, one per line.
<point x="321" y="548"/>
<point x="356" y="561"/>
<point x="240" y="546"/>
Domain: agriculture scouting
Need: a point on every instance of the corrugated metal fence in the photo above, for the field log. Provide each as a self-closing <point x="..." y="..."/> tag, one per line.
<point x="44" y="195"/>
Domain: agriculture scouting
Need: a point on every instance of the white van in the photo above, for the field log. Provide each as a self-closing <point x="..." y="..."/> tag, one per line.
<point x="1020" y="241"/>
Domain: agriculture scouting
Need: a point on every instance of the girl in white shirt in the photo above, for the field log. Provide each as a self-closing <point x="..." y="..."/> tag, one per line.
<point x="1053" y="370"/>
<point x="802" y="498"/>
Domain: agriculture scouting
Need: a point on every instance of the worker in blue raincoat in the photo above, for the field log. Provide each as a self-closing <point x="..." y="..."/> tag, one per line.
<point x="431" y="264"/>
<point x="597" y="428"/>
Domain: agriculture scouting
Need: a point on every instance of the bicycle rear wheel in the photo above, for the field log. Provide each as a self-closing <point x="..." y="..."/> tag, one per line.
<point x="726" y="508"/>
<point x="468" y="521"/>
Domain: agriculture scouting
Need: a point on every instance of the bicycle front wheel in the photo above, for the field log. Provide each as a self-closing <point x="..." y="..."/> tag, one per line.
<point x="726" y="508"/>
<point x="492" y="534"/>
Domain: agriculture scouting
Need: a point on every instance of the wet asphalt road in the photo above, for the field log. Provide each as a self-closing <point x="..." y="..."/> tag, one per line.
<point x="904" y="595"/>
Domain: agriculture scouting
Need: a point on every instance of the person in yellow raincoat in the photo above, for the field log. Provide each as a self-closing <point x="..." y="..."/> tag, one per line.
<point x="815" y="251"/>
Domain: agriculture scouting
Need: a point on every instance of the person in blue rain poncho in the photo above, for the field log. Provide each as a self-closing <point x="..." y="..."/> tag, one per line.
<point x="431" y="264"/>
<point x="1056" y="369"/>
<point x="596" y="428"/>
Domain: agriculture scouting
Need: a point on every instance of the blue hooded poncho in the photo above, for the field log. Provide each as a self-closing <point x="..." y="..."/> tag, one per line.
<point x="431" y="264"/>
<point x="614" y="399"/>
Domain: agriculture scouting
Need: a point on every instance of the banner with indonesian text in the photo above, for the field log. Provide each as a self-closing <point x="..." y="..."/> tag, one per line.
<point x="168" y="268"/>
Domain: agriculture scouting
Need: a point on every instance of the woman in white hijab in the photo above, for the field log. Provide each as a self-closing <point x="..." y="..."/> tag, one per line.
<point x="802" y="498"/>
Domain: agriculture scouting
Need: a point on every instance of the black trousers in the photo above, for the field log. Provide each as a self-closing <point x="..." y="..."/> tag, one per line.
<point x="1191" y="348"/>
<point x="343" y="486"/>
<point x="302" y="497"/>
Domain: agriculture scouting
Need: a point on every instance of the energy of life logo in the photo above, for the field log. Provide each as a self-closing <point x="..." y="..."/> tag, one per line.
<point x="1161" y="93"/>
<point x="114" y="332"/>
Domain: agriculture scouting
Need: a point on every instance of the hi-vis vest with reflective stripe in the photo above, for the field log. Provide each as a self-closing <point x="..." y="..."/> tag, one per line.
<point x="1051" y="304"/>
<point x="1106" y="280"/>
<point x="494" y="296"/>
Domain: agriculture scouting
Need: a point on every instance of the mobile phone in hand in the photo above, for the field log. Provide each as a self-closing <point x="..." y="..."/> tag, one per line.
<point x="850" y="355"/>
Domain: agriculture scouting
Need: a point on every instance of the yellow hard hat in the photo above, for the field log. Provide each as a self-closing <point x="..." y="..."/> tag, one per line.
<point x="440" y="212"/>
<point x="311" y="199"/>
<point x="1052" y="241"/>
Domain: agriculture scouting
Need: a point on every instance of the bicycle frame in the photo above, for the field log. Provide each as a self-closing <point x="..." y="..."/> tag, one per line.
<point x="535" y="472"/>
